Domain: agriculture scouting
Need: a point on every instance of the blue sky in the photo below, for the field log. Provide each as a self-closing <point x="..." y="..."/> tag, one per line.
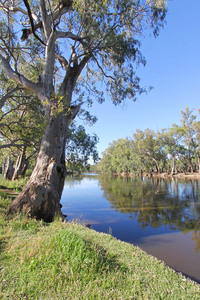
<point x="173" y="69"/>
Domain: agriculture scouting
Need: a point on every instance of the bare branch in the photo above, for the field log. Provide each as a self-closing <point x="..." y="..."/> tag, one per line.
<point x="107" y="76"/>
<point x="60" y="10"/>
<point x="31" y="21"/>
<point x="64" y="63"/>
<point x="28" y="31"/>
<point x="8" y="95"/>
<point x="68" y="34"/>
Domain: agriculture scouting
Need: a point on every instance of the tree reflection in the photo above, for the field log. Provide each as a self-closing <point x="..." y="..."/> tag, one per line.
<point x="155" y="202"/>
<point x="196" y="238"/>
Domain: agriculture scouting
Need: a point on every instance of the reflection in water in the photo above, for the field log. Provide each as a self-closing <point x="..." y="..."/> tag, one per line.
<point x="196" y="238"/>
<point x="161" y="216"/>
<point x="155" y="202"/>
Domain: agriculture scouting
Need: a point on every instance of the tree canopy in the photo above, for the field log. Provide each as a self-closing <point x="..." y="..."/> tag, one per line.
<point x="55" y="38"/>
<point x="169" y="150"/>
<point x="58" y="50"/>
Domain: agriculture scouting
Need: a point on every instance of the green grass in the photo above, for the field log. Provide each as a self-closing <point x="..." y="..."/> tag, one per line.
<point x="16" y="185"/>
<point x="68" y="261"/>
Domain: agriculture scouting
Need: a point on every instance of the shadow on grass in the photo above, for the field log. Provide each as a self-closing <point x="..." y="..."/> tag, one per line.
<point x="105" y="261"/>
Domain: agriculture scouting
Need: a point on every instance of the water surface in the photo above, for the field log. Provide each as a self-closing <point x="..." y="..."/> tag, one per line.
<point x="160" y="216"/>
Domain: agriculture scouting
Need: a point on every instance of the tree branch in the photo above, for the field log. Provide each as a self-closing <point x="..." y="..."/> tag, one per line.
<point x="68" y="34"/>
<point x="31" y="86"/>
<point x="64" y="63"/>
<point x="75" y="72"/>
<point x="7" y="96"/>
<point x="60" y="10"/>
<point x="13" y="144"/>
<point x="107" y="76"/>
<point x="31" y="21"/>
<point x="45" y="19"/>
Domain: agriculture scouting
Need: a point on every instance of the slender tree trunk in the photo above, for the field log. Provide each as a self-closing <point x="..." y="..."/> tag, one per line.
<point x="19" y="164"/>
<point x="3" y="166"/>
<point x="173" y="166"/>
<point x="41" y="196"/>
<point x="168" y="167"/>
<point x="157" y="166"/>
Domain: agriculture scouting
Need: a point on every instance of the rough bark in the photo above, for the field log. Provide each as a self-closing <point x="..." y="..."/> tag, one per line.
<point x="41" y="196"/>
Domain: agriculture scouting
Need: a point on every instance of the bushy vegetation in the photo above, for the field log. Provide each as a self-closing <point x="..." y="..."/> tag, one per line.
<point x="68" y="261"/>
<point x="172" y="150"/>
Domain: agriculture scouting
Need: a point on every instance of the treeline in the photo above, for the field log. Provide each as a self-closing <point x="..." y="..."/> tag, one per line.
<point x="173" y="150"/>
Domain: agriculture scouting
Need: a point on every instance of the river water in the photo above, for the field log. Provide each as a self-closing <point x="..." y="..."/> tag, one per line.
<point x="160" y="216"/>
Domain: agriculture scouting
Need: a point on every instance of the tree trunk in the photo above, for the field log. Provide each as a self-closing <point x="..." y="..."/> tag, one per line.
<point x="9" y="169"/>
<point x="168" y="167"/>
<point x="25" y="168"/>
<point x="157" y="166"/>
<point x="3" y="166"/>
<point x="173" y="166"/>
<point x="19" y="164"/>
<point x="41" y="196"/>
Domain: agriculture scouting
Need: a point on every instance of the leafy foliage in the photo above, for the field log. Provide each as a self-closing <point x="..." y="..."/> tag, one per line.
<point x="177" y="146"/>
<point x="80" y="148"/>
<point x="102" y="35"/>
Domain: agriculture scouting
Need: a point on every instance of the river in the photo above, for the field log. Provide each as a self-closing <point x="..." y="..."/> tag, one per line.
<point x="161" y="216"/>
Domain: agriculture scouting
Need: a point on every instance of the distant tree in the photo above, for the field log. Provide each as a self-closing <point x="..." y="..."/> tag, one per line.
<point x="118" y="157"/>
<point x="149" y="148"/>
<point x="22" y="125"/>
<point x="80" y="148"/>
<point x="177" y="147"/>
<point x="187" y="132"/>
<point x="91" y="41"/>
<point x="196" y="126"/>
<point x="172" y="147"/>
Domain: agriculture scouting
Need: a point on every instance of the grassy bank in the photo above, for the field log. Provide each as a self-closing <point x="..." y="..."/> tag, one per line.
<point x="68" y="261"/>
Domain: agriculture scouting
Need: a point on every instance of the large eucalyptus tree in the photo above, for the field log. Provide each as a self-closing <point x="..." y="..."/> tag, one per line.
<point x="90" y="41"/>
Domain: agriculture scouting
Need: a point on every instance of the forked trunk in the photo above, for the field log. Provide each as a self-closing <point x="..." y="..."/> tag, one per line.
<point x="41" y="196"/>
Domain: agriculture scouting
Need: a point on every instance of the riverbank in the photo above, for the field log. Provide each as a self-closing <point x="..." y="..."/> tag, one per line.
<point x="69" y="261"/>
<point x="161" y="175"/>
